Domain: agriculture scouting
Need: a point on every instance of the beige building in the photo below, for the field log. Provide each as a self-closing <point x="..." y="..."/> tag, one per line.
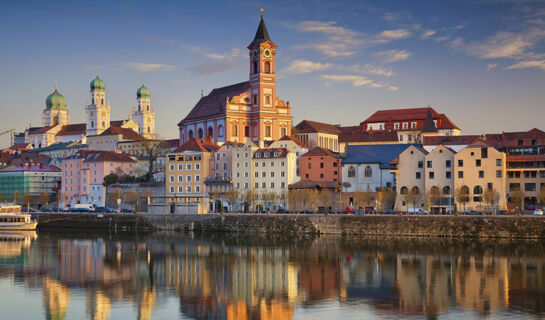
<point x="479" y="167"/>
<point x="317" y="134"/>
<point x="109" y="139"/>
<point x="242" y="169"/>
<point x="186" y="170"/>
<point x="439" y="169"/>
<point x="274" y="170"/>
<point x="410" y="178"/>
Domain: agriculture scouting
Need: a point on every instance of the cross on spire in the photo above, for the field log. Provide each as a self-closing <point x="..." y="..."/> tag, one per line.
<point x="56" y="85"/>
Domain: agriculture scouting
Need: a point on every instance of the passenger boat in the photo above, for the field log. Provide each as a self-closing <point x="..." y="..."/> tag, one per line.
<point x="11" y="218"/>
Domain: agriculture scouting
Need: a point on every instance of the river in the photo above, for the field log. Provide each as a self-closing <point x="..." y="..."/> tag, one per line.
<point x="78" y="275"/>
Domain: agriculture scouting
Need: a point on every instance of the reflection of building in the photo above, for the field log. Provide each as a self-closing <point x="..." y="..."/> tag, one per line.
<point x="97" y="305"/>
<point x="55" y="298"/>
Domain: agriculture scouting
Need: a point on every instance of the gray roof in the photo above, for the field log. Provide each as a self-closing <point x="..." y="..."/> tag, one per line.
<point x="59" y="146"/>
<point x="381" y="154"/>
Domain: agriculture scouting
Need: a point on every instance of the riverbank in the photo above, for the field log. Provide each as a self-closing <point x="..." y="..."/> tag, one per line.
<point x="507" y="227"/>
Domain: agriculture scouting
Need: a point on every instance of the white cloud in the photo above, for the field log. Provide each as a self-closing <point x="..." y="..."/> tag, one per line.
<point x="326" y="27"/>
<point x="491" y="66"/>
<point x="149" y="66"/>
<point x="501" y="45"/>
<point x="355" y="81"/>
<point x="394" y="34"/>
<point x="305" y="66"/>
<point x="389" y="56"/>
<point x="374" y="70"/>
<point x="393" y="88"/>
<point x="339" y="42"/>
<point x="428" y="33"/>
<point x="441" y="39"/>
<point x="220" y="62"/>
<point x="457" y="42"/>
<point x="540" y="64"/>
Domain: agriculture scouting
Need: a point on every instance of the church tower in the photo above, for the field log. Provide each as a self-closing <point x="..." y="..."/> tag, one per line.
<point x="262" y="81"/>
<point x="55" y="111"/>
<point x="144" y="114"/>
<point x="98" y="111"/>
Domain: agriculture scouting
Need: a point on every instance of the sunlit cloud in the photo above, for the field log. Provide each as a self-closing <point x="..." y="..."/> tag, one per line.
<point x="491" y="66"/>
<point x="539" y="64"/>
<point x="389" y="56"/>
<point x="394" y="34"/>
<point x="355" y="81"/>
<point x="139" y="66"/>
<point x="305" y="66"/>
<point x="428" y="33"/>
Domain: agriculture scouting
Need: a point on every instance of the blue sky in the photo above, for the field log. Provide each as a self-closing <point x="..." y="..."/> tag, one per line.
<point x="481" y="62"/>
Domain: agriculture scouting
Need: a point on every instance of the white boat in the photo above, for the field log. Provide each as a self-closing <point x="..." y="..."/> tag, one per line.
<point x="11" y="218"/>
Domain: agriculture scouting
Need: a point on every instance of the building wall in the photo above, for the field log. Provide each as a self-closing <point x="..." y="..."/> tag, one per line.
<point x="28" y="182"/>
<point x="492" y="170"/>
<point x="529" y="177"/>
<point x="320" y="139"/>
<point x="223" y="162"/>
<point x="274" y="174"/>
<point x="186" y="172"/>
<point x="320" y="168"/>
<point x="242" y="167"/>
<point x="410" y="173"/>
<point x="103" y="143"/>
<point x="439" y="167"/>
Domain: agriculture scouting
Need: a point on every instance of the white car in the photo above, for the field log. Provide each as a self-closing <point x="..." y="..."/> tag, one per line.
<point x="538" y="212"/>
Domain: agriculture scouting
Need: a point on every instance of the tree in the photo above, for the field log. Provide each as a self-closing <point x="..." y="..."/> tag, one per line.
<point x="516" y="196"/>
<point x="215" y="196"/>
<point x="248" y="196"/>
<point x="232" y="196"/>
<point x="490" y="197"/>
<point x="131" y="197"/>
<point x="27" y="198"/>
<point x="293" y="199"/>
<point x="110" y="179"/>
<point x="346" y="185"/>
<point x="461" y="195"/>
<point x="116" y="194"/>
<point x="541" y="196"/>
<point x="434" y="197"/>
<point x="325" y="199"/>
<point x="1" y="196"/>
<point x="413" y="197"/>
<point x="16" y="196"/>
<point x="313" y="198"/>
<point x="44" y="198"/>
<point x="283" y="197"/>
<point x="385" y="198"/>
<point x="152" y="150"/>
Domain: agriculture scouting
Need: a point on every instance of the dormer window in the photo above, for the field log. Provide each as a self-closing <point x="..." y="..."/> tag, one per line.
<point x="258" y="155"/>
<point x="276" y="154"/>
<point x="266" y="154"/>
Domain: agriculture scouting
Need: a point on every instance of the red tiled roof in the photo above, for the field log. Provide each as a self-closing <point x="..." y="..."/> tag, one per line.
<point x="283" y="152"/>
<point x="410" y="114"/>
<point x="449" y="140"/>
<point x="40" y="130"/>
<point x="19" y="146"/>
<point x="369" y="136"/>
<point x="31" y="167"/>
<point x="72" y="129"/>
<point x="100" y="156"/>
<point x="26" y="157"/>
<point x="126" y="133"/>
<point x="319" y="151"/>
<point x="214" y="102"/>
<point x="196" y="144"/>
<point x="117" y="123"/>
<point x="525" y="158"/>
<point x="532" y="134"/>
<point x="294" y="139"/>
<point x="307" y="126"/>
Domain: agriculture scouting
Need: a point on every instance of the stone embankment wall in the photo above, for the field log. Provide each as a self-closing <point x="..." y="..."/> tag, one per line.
<point x="299" y="225"/>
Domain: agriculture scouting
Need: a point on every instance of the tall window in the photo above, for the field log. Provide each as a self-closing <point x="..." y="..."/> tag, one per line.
<point x="255" y="67"/>
<point x="351" y="172"/>
<point x="200" y="133"/>
<point x="267" y="100"/>
<point x="211" y="132"/>
<point x="246" y="131"/>
<point x="254" y="99"/>
<point x="190" y="134"/>
<point x="368" y="172"/>
<point x="268" y="131"/>
<point x="220" y="131"/>
<point x="284" y="132"/>
<point x="267" y="67"/>
<point x="234" y="130"/>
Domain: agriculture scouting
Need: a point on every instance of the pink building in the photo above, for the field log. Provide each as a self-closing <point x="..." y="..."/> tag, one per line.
<point x="222" y="160"/>
<point x="83" y="174"/>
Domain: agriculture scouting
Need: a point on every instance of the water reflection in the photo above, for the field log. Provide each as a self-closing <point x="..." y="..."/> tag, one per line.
<point x="226" y="277"/>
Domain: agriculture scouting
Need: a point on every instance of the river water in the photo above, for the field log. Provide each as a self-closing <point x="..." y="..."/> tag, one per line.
<point x="60" y="275"/>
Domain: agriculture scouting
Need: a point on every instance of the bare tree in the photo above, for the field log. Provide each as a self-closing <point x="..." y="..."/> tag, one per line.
<point x="385" y="198"/>
<point x="461" y="195"/>
<point x="249" y="196"/>
<point x="313" y="198"/>
<point x="232" y="196"/>
<point x="490" y="197"/>
<point x="325" y="196"/>
<point x="433" y="197"/>
<point x="215" y="196"/>
<point x="44" y="199"/>
<point x="116" y="194"/>
<point x="541" y="196"/>
<point x="346" y="185"/>
<point x="516" y="196"/>
<point x="413" y="197"/>
<point x="153" y="149"/>
<point x="131" y="197"/>
<point x="27" y="198"/>
<point x="1" y="196"/>
<point x="16" y="196"/>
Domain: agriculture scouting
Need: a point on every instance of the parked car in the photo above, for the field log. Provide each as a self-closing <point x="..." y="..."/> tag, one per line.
<point x="125" y="210"/>
<point x="417" y="211"/>
<point x="75" y="209"/>
<point x="538" y="212"/>
<point x="474" y="213"/>
<point x="389" y="211"/>
<point x="306" y="212"/>
<point x="86" y="206"/>
<point x="281" y="210"/>
<point x="105" y="209"/>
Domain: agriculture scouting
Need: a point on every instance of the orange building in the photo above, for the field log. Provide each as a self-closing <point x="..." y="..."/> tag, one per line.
<point x="320" y="165"/>
<point x="244" y="111"/>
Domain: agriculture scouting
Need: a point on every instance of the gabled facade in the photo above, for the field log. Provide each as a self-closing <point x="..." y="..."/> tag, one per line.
<point x="439" y="177"/>
<point x="410" y="178"/>
<point x="320" y="165"/>
<point x="244" y="111"/>
<point x="242" y="168"/>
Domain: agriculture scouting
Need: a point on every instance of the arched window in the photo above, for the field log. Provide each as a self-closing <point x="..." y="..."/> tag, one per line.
<point x="149" y="130"/>
<point x="415" y="190"/>
<point x="255" y="68"/>
<point x="147" y="108"/>
<point x="351" y="172"/>
<point x="220" y="131"/>
<point x="368" y="172"/>
<point x="200" y="135"/>
<point x="267" y="67"/>
<point x="446" y="190"/>
<point x="211" y="132"/>
<point x="102" y="101"/>
<point x="92" y="124"/>
<point x="103" y="124"/>
<point x="477" y="190"/>
<point x="254" y="99"/>
<point x="190" y="134"/>
<point x="404" y="190"/>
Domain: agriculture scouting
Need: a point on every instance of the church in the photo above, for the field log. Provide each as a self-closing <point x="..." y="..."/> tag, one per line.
<point x="56" y="126"/>
<point x="243" y="111"/>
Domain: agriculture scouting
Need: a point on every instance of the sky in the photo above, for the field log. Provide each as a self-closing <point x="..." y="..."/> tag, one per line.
<point x="481" y="62"/>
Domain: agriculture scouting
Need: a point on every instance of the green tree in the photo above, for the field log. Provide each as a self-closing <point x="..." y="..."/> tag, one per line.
<point x="110" y="179"/>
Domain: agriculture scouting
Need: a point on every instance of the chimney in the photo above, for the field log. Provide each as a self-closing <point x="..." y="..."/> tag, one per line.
<point x="41" y="165"/>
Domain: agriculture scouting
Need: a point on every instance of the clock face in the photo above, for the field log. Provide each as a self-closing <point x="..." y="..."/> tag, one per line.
<point x="267" y="53"/>
<point x="256" y="54"/>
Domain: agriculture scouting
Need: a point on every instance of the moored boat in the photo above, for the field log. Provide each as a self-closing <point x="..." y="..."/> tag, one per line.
<point x="11" y="218"/>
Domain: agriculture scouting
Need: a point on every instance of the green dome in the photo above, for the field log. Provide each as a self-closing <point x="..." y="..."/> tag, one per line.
<point x="55" y="101"/>
<point x="97" y="85"/>
<point x="142" y="92"/>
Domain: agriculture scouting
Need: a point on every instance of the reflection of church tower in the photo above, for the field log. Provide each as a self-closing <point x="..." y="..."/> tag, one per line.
<point x="55" y="110"/>
<point x="97" y="305"/>
<point x="145" y="114"/>
<point x="98" y="112"/>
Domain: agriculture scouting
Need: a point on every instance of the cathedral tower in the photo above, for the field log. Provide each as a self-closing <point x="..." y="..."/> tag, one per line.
<point x="98" y="111"/>
<point x="144" y="114"/>
<point x="55" y="111"/>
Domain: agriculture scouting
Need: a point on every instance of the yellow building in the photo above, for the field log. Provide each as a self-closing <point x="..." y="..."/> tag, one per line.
<point x="186" y="169"/>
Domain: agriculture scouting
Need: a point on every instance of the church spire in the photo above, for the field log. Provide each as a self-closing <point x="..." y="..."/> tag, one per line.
<point x="262" y="34"/>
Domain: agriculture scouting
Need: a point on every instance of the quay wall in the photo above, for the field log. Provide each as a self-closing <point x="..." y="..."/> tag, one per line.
<point x="508" y="227"/>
